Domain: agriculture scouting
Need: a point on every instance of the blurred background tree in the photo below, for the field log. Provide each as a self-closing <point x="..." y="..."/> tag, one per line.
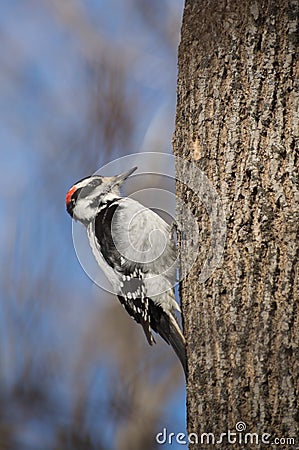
<point x="82" y="83"/>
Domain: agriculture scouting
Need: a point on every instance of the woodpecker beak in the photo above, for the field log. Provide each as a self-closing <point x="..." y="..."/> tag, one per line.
<point x="119" y="179"/>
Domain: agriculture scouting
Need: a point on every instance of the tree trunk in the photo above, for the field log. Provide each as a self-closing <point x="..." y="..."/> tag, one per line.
<point x="237" y="121"/>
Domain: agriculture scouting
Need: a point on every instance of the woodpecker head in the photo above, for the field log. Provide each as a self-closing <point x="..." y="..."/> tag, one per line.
<point x="83" y="199"/>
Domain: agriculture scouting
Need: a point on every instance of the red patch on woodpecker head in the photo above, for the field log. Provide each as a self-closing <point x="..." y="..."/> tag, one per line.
<point x="69" y="195"/>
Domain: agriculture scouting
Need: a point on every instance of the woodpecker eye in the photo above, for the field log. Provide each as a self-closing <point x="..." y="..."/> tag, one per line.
<point x="96" y="182"/>
<point x="87" y="190"/>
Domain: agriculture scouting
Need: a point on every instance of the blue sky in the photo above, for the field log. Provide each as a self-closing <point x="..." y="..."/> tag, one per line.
<point x="49" y="76"/>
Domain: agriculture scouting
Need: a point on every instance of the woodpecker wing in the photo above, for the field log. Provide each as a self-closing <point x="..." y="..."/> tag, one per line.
<point x="120" y="237"/>
<point x="96" y="250"/>
<point x="132" y="236"/>
<point x="138" y="309"/>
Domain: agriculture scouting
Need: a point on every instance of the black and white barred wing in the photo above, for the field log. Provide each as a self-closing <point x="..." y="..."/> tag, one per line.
<point x="134" y="248"/>
<point x="128" y="287"/>
<point x="135" y="301"/>
<point x="143" y="239"/>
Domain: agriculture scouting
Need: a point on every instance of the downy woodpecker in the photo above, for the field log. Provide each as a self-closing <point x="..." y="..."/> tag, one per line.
<point x="135" y="249"/>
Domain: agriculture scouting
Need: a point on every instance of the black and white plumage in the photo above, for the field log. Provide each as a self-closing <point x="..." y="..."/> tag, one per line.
<point x="135" y="249"/>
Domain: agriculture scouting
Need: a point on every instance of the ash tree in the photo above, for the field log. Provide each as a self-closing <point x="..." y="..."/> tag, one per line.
<point x="237" y="122"/>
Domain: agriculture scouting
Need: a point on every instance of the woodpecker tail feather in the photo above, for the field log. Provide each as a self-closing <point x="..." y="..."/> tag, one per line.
<point x="152" y="316"/>
<point x="175" y="338"/>
<point x="167" y="327"/>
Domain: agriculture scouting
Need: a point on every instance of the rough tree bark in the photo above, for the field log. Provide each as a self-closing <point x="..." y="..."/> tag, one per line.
<point x="237" y="120"/>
